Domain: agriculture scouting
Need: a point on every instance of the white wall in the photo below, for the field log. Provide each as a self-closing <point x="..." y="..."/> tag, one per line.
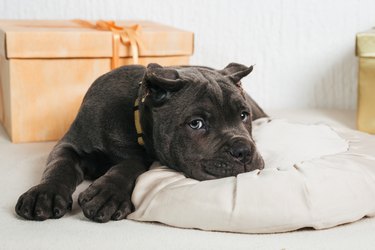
<point x="303" y="49"/>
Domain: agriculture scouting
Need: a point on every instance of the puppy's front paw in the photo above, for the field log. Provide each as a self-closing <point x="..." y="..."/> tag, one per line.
<point x="102" y="202"/>
<point x="44" y="201"/>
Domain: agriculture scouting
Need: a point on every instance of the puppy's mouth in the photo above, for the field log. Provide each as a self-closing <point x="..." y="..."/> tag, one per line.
<point x="222" y="169"/>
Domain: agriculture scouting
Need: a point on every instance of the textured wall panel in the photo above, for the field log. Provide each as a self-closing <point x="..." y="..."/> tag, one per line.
<point x="303" y="50"/>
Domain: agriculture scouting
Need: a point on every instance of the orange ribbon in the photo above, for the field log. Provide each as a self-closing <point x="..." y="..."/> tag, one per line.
<point x="127" y="35"/>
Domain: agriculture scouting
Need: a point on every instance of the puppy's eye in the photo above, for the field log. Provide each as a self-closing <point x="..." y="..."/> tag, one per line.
<point x="244" y="116"/>
<point x="196" y="124"/>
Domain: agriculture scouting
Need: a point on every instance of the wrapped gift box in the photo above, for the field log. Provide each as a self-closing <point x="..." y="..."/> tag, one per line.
<point x="366" y="86"/>
<point x="46" y="68"/>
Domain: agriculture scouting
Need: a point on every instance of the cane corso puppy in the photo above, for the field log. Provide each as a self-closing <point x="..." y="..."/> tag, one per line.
<point x="193" y="119"/>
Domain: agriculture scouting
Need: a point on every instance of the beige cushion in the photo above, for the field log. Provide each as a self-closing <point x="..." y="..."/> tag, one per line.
<point x="315" y="176"/>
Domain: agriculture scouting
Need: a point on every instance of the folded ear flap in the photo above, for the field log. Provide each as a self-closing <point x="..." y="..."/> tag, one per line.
<point x="235" y="71"/>
<point x="161" y="81"/>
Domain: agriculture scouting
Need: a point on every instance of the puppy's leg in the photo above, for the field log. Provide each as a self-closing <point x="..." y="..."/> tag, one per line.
<point x="53" y="196"/>
<point x="109" y="197"/>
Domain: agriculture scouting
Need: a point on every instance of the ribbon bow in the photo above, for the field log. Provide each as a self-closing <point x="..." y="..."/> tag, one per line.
<point x="127" y="35"/>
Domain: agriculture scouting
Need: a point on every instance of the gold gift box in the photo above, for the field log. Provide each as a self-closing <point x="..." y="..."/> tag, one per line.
<point x="366" y="82"/>
<point x="46" y="68"/>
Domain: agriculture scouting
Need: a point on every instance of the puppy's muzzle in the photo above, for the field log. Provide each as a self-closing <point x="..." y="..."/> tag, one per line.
<point x="241" y="152"/>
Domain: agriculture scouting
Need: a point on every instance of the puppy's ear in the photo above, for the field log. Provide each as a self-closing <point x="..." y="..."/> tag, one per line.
<point x="235" y="71"/>
<point x="161" y="81"/>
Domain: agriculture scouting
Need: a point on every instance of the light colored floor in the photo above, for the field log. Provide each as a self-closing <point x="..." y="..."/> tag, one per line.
<point x="22" y="165"/>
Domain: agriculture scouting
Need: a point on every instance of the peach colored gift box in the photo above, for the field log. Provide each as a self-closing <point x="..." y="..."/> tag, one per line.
<point x="46" y="68"/>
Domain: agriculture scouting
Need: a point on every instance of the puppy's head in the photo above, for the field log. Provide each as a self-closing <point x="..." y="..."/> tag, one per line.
<point x="198" y="120"/>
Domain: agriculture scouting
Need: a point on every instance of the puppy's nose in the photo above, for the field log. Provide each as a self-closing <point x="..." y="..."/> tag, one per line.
<point x="240" y="152"/>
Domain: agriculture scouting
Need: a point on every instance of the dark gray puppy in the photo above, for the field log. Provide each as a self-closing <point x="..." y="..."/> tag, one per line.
<point x="194" y="119"/>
